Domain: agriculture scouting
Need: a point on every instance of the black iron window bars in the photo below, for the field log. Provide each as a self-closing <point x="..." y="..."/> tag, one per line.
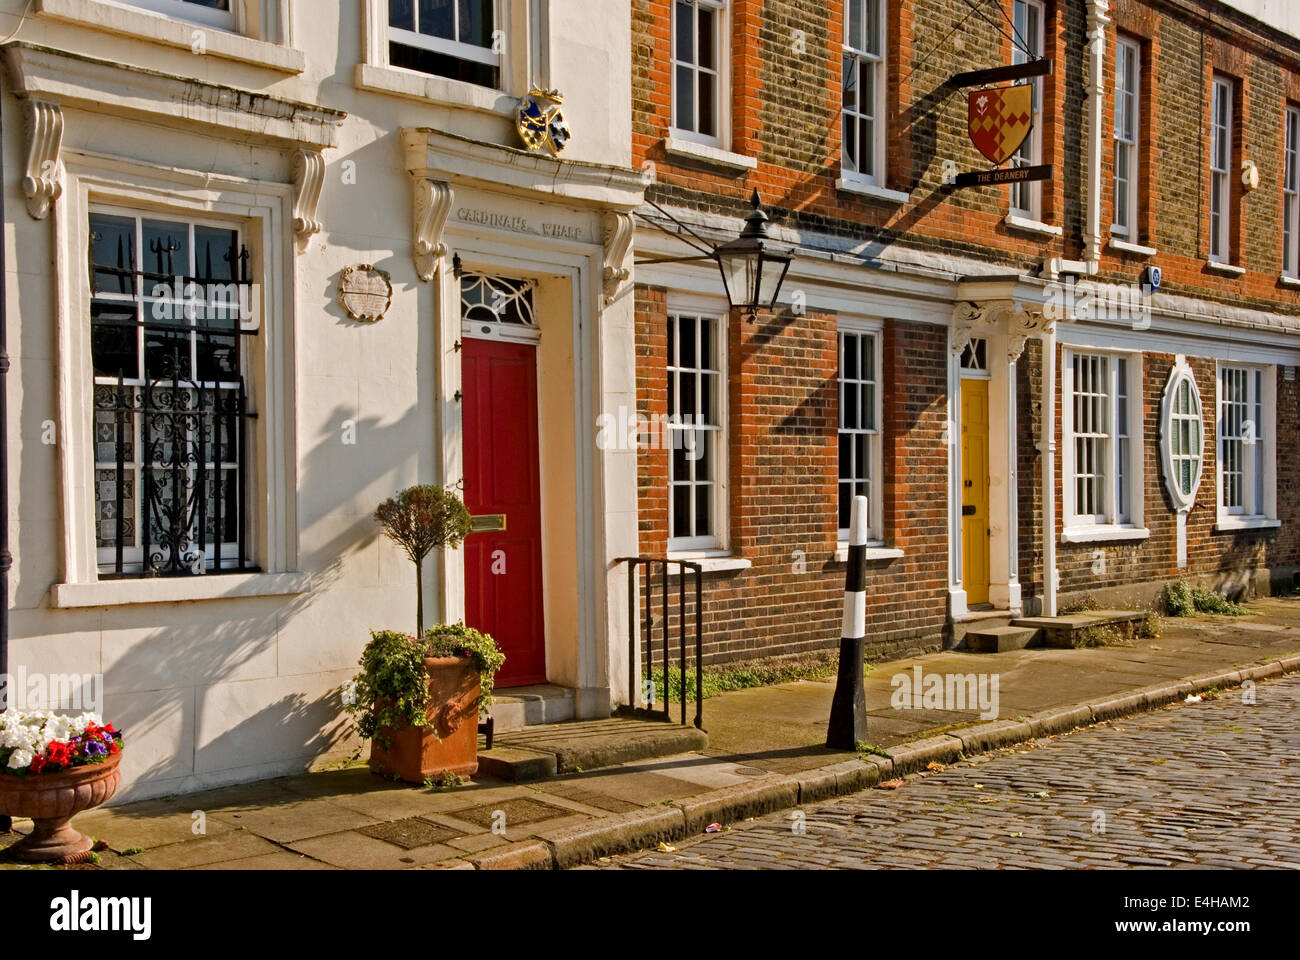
<point x="171" y="305"/>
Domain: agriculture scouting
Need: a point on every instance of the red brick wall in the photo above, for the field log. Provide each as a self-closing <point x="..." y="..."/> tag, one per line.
<point x="1119" y="568"/>
<point x="782" y="461"/>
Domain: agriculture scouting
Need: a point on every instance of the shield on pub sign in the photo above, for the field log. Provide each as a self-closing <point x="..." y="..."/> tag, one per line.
<point x="1000" y="119"/>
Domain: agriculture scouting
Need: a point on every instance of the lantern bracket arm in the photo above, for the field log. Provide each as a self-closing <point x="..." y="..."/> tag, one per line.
<point x="683" y="232"/>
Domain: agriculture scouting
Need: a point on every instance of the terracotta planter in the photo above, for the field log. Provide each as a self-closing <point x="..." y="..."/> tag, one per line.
<point x="53" y="799"/>
<point x="451" y="743"/>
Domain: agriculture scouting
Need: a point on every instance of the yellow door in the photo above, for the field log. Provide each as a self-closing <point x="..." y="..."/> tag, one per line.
<point x="975" y="489"/>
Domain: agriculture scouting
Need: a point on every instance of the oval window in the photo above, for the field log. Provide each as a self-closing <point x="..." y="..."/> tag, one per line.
<point x="1182" y="437"/>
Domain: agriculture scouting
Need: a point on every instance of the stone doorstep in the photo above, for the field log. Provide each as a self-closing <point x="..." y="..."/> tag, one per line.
<point x="1059" y="631"/>
<point x="1000" y="639"/>
<point x="542" y="752"/>
<point x="571" y="846"/>
<point x="514" y="708"/>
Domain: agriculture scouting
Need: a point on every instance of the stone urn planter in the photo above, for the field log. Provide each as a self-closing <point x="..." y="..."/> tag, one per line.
<point x="450" y="742"/>
<point x="51" y="801"/>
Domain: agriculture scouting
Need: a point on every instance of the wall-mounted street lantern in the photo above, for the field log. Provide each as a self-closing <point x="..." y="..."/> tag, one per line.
<point x="753" y="266"/>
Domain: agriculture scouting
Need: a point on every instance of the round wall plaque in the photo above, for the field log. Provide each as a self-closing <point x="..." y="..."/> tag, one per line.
<point x="365" y="292"/>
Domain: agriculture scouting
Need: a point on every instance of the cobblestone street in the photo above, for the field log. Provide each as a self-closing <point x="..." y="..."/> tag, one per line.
<point x="1210" y="784"/>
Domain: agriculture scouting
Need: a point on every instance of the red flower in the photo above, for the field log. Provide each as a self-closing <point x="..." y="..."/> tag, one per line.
<point x="38" y="764"/>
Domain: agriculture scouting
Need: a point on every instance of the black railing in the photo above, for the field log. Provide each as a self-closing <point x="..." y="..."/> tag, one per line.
<point x="644" y="655"/>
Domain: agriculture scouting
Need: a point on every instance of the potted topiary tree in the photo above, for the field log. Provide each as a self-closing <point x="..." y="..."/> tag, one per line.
<point x="418" y="698"/>
<point x="420" y="519"/>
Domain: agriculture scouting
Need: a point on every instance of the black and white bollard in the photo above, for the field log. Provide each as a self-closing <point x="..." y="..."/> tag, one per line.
<point x="848" y="723"/>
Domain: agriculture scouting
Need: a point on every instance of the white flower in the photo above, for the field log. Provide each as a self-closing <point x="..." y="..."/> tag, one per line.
<point x="21" y="759"/>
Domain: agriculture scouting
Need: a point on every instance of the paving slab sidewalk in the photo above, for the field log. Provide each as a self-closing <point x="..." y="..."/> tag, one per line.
<point x="765" y="752"/>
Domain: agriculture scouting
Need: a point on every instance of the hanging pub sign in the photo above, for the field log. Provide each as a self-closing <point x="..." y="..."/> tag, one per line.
<point x="999" y="120"/>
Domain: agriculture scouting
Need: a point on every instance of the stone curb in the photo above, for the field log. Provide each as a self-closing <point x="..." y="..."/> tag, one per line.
<point x="729" y="804"/>
<point x="526" y="855"/>
<point x="587" y="841"/>
<point x="915" y="754"/>
<point x="627" y="832"/>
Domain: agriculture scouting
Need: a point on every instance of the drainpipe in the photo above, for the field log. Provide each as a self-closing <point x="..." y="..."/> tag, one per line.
<point x="6" y="558"/>
<point x="1047" y="452"/>
<point x="1094" y="63"/>
<point x="1095" y="58"/>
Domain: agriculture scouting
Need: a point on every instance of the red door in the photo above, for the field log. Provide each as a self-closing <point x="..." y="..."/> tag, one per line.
<point x="503" y="569"/>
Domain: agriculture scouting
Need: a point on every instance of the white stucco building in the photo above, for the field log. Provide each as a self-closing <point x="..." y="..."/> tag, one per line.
<point x="266" y="146"/>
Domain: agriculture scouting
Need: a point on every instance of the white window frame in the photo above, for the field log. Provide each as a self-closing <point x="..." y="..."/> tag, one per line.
<point x="524" y="62"/>
<point x="253" y="31"/>
<point x="452" y="48"/>
<point x="93" y="183"/>
<point x="1128" y="136"/>
<point x="1026" y="199"/>
<point x="721" y="77"/>
<point x="714" y="543"/>
<point x="1291" y="194"/>
<point x="863" y="58"/>
<point x="191" y="12"/>
<point x="133" y="556"/>
<point x="1113" y="516"/>
<point x="1221" y="120"/>
<point x="1257" y="456"/>
<point x="852" y="327"/>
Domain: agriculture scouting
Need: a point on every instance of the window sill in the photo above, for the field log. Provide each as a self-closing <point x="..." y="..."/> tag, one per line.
<point x="1230" y="524"/>
<point x="871" y="191"/>
<point x="159" y="28"/>
<point x="1292" y="282"/>
<point x="221" y="586"/>
<point x="1227" y="269"/>
<point x="430" y="88"/>
<point x="1135" y="249"/>
<point x="1036" y="227"/>
<point x="710" y="562"/>
<point x="1103" y="534"/>
<point x="874" y="552"/>
<point x="716" y="156"/>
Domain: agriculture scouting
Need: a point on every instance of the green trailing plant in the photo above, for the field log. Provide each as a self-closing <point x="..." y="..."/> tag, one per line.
<point x="1150" y="627"/>
<point x="420" y="519"/>
<point x="392" y="689"/>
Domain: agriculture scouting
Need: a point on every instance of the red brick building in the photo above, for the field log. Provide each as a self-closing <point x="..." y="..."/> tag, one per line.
<point x="974" y="360"/>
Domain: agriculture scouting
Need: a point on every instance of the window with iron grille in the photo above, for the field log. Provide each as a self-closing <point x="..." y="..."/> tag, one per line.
<point x="695" y="431"/>
<point x="1220" y="162"/>
<point x="1246" y="441"/>
<point x="864" y="91"/>
<point x="1103" y="482"/>
<point x="697" y="69"/>
<point x="1027" y="44"/>
<point x="170" y="305"/>
<point x="1128" y="73"/>
<point x="859" y="427"/>
<point x="458" y="39"/>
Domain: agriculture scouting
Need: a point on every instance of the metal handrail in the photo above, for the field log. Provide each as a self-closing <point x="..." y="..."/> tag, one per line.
<point x="634" y="656"/>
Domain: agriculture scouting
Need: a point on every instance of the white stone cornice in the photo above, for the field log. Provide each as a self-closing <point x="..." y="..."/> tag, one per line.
<point x="617" y="236"/>
<point x="444" y="156"/>
<point x="433" y="200"/>
<point x="308" y="177"/>
<point x="108" y="88"/>
<point x="43" y="183"/>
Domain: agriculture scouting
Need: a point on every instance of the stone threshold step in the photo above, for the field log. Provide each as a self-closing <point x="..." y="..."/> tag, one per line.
<point x="538" y="752"/>
<point x="999" y="639"/>
<point x="1060" y="631"/>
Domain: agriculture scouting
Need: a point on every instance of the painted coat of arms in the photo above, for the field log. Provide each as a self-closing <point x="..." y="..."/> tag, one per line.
<point x="1000" y="119"/>
<point x="541" y="122"/>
